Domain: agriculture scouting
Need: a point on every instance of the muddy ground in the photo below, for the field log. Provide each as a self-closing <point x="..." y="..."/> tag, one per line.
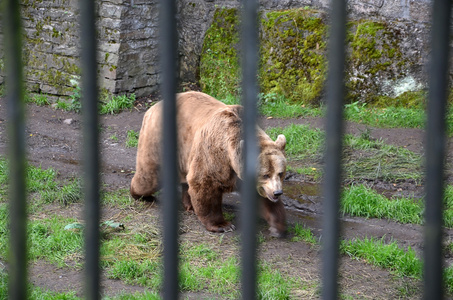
<point x="53" y="140"/>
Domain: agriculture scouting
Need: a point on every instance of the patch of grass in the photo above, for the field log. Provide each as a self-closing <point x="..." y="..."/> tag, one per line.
<point x="146" y="295"/>
<point x="70" y="192"/>
<point x="44" y="186"/>
<point x="119" y="198"/>
<point x="62" y="105"/>
<point x="39" y="179"/>
<point x="132" y="139"/>
<point x="361" y="201"/>
<point x="301" y="233"/>
<point x="276" y="106"/>
<point x="116" y="104"/>
<point x="34" y="292"/>
<point x="146" y="273"/>
<point x="4" y="230"/>
<point x="388" y="117"/>
<point x="114" y="137"/>
<point x="50" y="241"/>
<point x="40" y="100"/>
<point x="3" y="171"/>
<point x="203" y="268"/>
<point x="230" y="99"/>
<point x="272" y="284"/>
<point x="315" y="174"/>
<point x="135" y="244"/>
<point x="448" y="279"/>
<point x="76" y="96"/>
<point x="385" y="255"/>
<point x="363" y="158"/>
<point x="368" y="159"/>
<point x="301" y="141"/>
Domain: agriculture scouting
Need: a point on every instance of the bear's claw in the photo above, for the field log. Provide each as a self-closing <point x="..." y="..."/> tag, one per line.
<point x="229" y="228"/>
<point x="221" y="228"/>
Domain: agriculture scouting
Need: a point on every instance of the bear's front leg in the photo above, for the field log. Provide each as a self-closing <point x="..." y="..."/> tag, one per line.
<point x="186" y="198"/>
<point x="207" y="205"/>
<point x="275" y="215"/>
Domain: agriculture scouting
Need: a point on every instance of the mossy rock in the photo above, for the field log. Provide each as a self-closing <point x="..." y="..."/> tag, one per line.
<point x="293" y="47"/>
<point x="292" y="54"/>
<point x="293" y="58"/>
<point x="376" y="64"/>
<point x="219" y="63"/>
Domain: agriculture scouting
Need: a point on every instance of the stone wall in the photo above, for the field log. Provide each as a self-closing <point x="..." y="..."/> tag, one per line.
<point x="128" y="45"/>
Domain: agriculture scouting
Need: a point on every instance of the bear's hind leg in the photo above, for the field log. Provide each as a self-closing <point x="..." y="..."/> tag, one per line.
<point x="186" y="201"/>
<point x="143" y="187"/>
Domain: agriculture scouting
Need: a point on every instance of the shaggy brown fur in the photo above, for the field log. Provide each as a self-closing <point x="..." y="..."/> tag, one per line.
<point x="209" y="139"/>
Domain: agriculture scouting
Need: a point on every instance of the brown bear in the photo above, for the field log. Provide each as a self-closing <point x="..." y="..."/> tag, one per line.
<point x="209" y="140"/>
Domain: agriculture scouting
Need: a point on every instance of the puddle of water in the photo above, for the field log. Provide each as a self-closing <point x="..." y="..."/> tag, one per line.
<point x="304" y="193"/>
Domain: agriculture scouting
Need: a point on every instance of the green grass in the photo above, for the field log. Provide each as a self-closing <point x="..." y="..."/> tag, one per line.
<point x="112" y="104"/>
<point x="49" y="240"/>
<point x="203" y="268"/>
<point x="40" y="100"/>
<point x="44" y="185"/>
<point x="302" y="233"/>
<point x="385" y="255"/>
<point x="372" y="160"/>
<point x="388" y="117"/>
<point x="301" y="141"/>
<point x="363" y="158"/>
<point x="132" y="139"/>
<point x="276" y="106"/>
<point x="361" y="201"/>
<point x="117" y="103"/>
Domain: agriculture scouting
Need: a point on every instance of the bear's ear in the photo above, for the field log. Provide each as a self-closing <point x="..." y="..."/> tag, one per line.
<point x="281" y="142"/>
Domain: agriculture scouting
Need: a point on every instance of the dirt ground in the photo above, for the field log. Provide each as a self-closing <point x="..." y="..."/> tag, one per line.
<point x="53" y="140"/>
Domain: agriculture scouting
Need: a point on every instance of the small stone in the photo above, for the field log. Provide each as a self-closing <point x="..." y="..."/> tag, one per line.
<point x="68" y="121"/>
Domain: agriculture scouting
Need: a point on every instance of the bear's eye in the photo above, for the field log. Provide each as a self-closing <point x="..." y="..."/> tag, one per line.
<point x="280" y="174"/>
<point x="265" y="176"/>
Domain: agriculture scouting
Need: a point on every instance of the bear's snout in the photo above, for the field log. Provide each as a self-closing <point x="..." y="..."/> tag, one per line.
<point x="278" y="193"/>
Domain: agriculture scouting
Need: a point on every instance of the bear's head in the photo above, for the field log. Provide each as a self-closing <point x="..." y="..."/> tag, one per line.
<point x="272" y="168"/>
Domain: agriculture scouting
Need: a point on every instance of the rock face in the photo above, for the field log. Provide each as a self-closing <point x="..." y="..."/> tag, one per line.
<point x="385" y="63"/>
<point x="388" y="45"/>
<point x="127" y="46"/>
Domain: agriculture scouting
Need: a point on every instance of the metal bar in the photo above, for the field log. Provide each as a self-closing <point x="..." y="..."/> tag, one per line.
<point x="334" y="133"/>
<point x="435" y="149"/>
<point x="90" y="158"/>
<point x="16" y="150"/>
<point x="248" y="216"/>
<point x="169" y="45"/>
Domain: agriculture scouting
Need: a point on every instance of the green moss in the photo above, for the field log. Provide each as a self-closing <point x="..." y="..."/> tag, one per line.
<point x="293" y="54"/>
<point x="219" y="66"/>
<point x="375" y="56"/>
<point x="414" y="99"/>
<point x="293" y="58"/>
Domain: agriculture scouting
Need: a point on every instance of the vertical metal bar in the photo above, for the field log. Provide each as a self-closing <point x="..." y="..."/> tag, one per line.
<point x="249" y="40"/>
<point x="169" y="45"/>
<point x="16" y="151"/>
<point x="334" y="133"/>
<point x="90" y="147"/>
<point x="435" y="149"/>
